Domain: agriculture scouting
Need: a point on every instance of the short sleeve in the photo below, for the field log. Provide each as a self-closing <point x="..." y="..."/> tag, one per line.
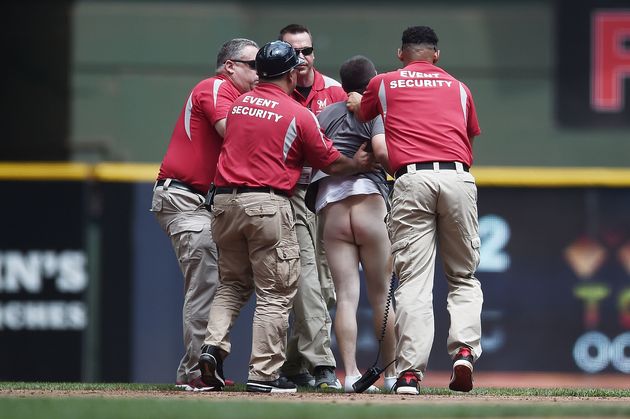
<point x="377" y="126"/>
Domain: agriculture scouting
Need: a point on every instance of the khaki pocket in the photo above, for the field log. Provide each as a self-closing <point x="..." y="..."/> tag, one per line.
<point x="180" y="228"/>
<point x="400" y="244"/>
<point x="399" y="255"/>
<point x="467" y="183"/>
<point x="475" y="243"/>
<point x="156" y="203"/>
<point x="185" y="238"/>
<point x="217" y="211"/>
<point x="261" y="210"/>
<point x="288" y="267"/>
<point x="265" y="221"/>
<point x="288" y="252"/>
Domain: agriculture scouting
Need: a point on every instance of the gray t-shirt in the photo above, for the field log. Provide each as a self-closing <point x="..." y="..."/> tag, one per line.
<point x="347" y="134"/>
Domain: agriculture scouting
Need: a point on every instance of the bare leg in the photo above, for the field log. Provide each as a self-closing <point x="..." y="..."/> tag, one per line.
<point x="343" y="259"/>
<point x="370" y="235"/>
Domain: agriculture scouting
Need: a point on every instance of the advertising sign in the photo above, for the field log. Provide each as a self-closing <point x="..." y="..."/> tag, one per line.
<point x="555" y="271"/>
<point x="43" y="278"/>
<point x="593" y="71"/>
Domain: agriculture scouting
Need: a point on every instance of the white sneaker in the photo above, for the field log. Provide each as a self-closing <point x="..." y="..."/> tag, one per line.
<point x="351" y="379"/>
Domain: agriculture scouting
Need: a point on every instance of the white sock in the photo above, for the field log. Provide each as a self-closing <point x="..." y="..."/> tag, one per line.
<point x="351" y="379"/>
<point x="347" y="384"/>
<point x="389" y="383"/>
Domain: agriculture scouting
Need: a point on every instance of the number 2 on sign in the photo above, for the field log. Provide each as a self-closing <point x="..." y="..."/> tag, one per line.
<point x="495" y="235"/>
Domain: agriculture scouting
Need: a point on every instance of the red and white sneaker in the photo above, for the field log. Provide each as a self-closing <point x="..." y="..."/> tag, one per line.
<point x="196" y="384"/>
<point x="462" y="377"/>
<point x="407" y="383"/>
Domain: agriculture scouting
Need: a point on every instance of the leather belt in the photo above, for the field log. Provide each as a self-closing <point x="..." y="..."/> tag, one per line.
<point x="179" y="185"/>
<point x="245" y="189"/>
<point x="443" y="165"/>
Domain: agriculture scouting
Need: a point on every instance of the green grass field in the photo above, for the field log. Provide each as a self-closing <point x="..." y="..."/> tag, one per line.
<point x="96" y="401"/>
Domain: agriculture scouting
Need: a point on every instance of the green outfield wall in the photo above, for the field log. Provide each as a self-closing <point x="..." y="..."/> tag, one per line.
<point x="527" y="64"/>
<point x="105" y="80"/>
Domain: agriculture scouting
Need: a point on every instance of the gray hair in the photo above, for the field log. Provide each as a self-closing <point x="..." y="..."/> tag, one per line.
<point x="233" y="50"/>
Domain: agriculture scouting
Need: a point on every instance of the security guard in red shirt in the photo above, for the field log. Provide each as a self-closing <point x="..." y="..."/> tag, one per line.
<point x="269" y="137"/>
<point x="430" y="123"/>
<point x="185" y="175"/>
<point x="309" y="345"/>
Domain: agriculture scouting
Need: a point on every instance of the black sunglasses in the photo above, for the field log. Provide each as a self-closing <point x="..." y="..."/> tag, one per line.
<point x="305" y="51"/>
<point x="250" y="63"/>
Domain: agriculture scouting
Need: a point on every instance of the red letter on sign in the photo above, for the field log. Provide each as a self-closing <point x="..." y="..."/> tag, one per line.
<point x="610" y="59"/>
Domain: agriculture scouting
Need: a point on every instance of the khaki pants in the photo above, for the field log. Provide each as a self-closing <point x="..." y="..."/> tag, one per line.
<point x="309" y="345"/>
<point x="186" y="221"/>
<point x="430" y="208"/>
<point x="258" y="251"/>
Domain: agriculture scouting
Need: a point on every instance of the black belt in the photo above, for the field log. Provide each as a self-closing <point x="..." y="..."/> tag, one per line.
<point x="444" y="165"/>
<point x="179" y="185"/>
<point x="245" y="189"/>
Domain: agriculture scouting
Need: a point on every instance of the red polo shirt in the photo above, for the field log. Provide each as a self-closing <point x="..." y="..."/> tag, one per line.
<point x="325" y="91"/>
<point x="428" y="114"/>
<point x="193" y="152"/>
<point x="268" y="138"/>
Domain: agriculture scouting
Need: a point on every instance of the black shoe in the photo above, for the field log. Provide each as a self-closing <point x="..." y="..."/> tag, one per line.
<point x="303" y="379"/>
<point x="407" y="383"/>
<point x="462" y="379"/>
<point x="280" y="385"/>
<point x="211" y="366"/>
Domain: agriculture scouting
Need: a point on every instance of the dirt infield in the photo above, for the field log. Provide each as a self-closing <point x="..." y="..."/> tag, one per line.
<point x="440" y="379"/>
<point x="436" y="380"/>
<point x="334" y="398"/>
<point x="536" y="380"/>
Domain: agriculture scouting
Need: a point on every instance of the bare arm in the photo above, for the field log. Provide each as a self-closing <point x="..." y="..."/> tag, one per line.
<point x="380" y="151"/>
<point x="220" y="127"/>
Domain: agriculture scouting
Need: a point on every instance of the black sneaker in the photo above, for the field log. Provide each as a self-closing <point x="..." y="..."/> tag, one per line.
<point x="462" y="379"/>
<point x="280" y="385"/>
<point x="304" y="379"/>
<point x="211" y="366"/>
<point x="407" y="383"/>
<point x="325" y="377"/>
